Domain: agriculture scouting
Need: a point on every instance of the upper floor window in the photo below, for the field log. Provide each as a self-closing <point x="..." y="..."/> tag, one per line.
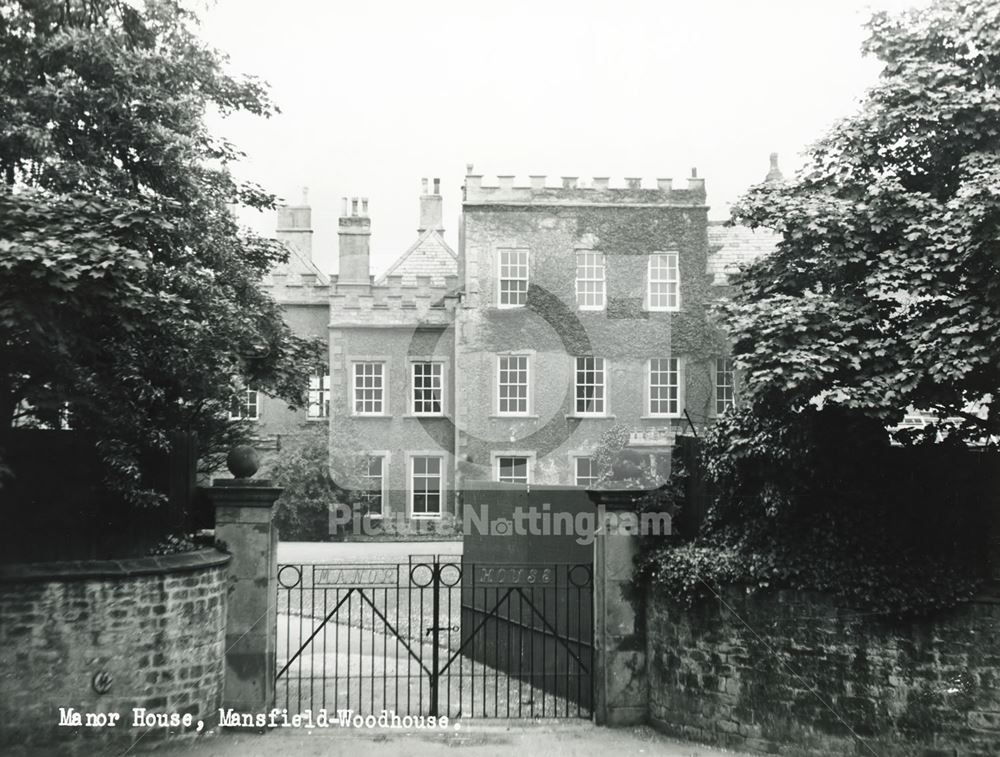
<point x="426" y="486"/>
<point x="513" y="290"/>
<point x="512" y="469"/>
<point x="372" y="485"/>
<point x="664" y="282"/>
<point x="584" y="471"/>
<point x="725" y="385"/>
<point x="590" y="389"/>
<point x="319" y="395"/>
<point x="369" y="388"/>
<point x="428" y="388"/>
<point x="590" y="287"/>
<point x="664" y="386"/>
<point x="512" y="385"/>
<point x="246" y="406"/>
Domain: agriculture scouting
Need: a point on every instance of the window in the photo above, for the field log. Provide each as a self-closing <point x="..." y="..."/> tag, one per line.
<point x="512" y="470"/>
<point x="427" y="388"/>
<point x="246" y="406"/>
<point x="589" y="386"/>
<point x="664" y="282"/>
<point x="512" y="385"/>
<point x="425" y="487"/>
<point x="369" y="388"/>
<point x="319" y="396"/>
<point x="664" y="386"/>
<point x="590" y="280"/>
<point x="585" y="473"/>
<point x="513" y="278"/>
<point x="725" y="397"/>
<point x="372" y="486"/>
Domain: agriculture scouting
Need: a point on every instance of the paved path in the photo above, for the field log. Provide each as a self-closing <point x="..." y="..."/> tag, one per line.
<point x="477" y="739"/>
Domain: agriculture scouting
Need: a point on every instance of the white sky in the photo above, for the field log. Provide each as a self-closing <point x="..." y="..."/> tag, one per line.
<point x="376" y="95"/>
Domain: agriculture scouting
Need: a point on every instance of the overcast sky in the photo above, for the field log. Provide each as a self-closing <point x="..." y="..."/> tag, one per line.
<point x="376" y="95"/>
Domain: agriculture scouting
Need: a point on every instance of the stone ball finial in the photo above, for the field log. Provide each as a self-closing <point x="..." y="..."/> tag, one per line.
<point x="243" y="461"/>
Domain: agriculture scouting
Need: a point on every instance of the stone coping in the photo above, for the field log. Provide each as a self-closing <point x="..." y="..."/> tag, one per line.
<point x="74" y="570"/>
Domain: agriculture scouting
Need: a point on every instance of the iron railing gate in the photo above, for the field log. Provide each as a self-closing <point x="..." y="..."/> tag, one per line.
<point x="436" y="637"/>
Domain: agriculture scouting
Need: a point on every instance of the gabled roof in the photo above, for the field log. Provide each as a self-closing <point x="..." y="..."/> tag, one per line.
<point x="729" y="247"/>
<point x="430" y="255"/>
<point x="298" y="264"/>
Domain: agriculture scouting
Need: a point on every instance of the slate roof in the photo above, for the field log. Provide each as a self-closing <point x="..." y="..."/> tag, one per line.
<point x="430" y="256"/>
<point x="732" y="246"/>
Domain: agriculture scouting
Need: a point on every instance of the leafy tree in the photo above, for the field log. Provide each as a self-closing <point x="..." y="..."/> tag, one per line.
<point x="884" y="291"/>
<point x="321" y="470"/>
<point x="128" y="292"/>
<point x="882" y="294"/>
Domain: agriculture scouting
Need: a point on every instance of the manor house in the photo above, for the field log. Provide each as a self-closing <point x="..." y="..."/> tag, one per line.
<point x="570" y="308"/>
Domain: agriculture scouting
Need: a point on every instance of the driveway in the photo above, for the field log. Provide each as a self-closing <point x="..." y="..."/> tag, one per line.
<point x="475" y="739"/>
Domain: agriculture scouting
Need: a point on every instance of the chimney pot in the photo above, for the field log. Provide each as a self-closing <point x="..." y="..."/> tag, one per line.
<point x="437" y="186"/>
<point x="694" y="173"/>
<point x="468" y="169"/>
<point x="774" y="175"/>
<point x="305" y="192"/>
<point x="423" y="185"/>
<point x="364" y="206"/>
<point x="344" y="207"/>
<point x="354" y="206"/>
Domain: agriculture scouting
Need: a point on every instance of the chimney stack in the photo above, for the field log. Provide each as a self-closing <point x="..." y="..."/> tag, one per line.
<point x="295" y="225"/>
<point x="430" y="208"/>
<point x="774" y="175"/>
<point x="354" y="236"/>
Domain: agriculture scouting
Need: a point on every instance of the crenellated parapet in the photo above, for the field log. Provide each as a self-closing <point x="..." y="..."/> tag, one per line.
<point x="398" y="300"/>
<point x="572" y="190"/>
<point x="297" y="288"/>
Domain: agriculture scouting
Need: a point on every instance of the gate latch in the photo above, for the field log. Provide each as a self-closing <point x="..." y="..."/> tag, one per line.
<point x="432" y="629"/>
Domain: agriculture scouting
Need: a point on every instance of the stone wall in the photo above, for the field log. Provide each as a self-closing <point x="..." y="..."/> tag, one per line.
<point x="789" y="673"/>
<point x="156" y="626"/>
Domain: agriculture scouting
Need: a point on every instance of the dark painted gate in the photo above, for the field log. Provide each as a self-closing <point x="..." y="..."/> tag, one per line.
<point x="436" y="636"/>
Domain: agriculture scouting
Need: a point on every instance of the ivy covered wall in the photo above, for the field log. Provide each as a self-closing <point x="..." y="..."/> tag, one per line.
<point x="553" y="330"/>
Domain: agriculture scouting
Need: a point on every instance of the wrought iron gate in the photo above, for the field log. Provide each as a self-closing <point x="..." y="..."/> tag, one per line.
<point x="436" y="637"/>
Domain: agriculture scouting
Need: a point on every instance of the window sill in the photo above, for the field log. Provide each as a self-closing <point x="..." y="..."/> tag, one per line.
<point x="676" y="417"/>
<point x="414" y="516"/>
<point x="511" y="416"/>
<point x="425" y="415"/>
<point x="592" y="416"/>
<point x="371" y="415"/>
<point x="319" y="419"/>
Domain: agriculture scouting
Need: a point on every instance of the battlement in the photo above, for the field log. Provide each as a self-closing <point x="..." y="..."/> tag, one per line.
<point x="300" y="288"/>
<point x="571" y="190"/>
<point x="397" y="299"/>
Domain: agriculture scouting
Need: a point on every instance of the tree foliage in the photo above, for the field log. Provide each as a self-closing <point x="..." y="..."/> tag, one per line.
<point x="128" y="292"/>
<point x="884" y="291"/>
<point x="883" y="294"/>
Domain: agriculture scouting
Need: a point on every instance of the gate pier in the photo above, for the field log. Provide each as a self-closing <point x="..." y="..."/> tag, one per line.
<point x="243" y="524"/>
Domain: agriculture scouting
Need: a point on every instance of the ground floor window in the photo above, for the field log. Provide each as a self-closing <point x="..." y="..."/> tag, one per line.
<point x="373" y="486"/>
<point x="246" y="406"/>
<point x="512" y="469"/>
<point x="585" y="471"/>
<point x="426" y="489"/>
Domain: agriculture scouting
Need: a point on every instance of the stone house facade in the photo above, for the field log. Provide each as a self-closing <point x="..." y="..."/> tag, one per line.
<point x="568" y="310"/>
